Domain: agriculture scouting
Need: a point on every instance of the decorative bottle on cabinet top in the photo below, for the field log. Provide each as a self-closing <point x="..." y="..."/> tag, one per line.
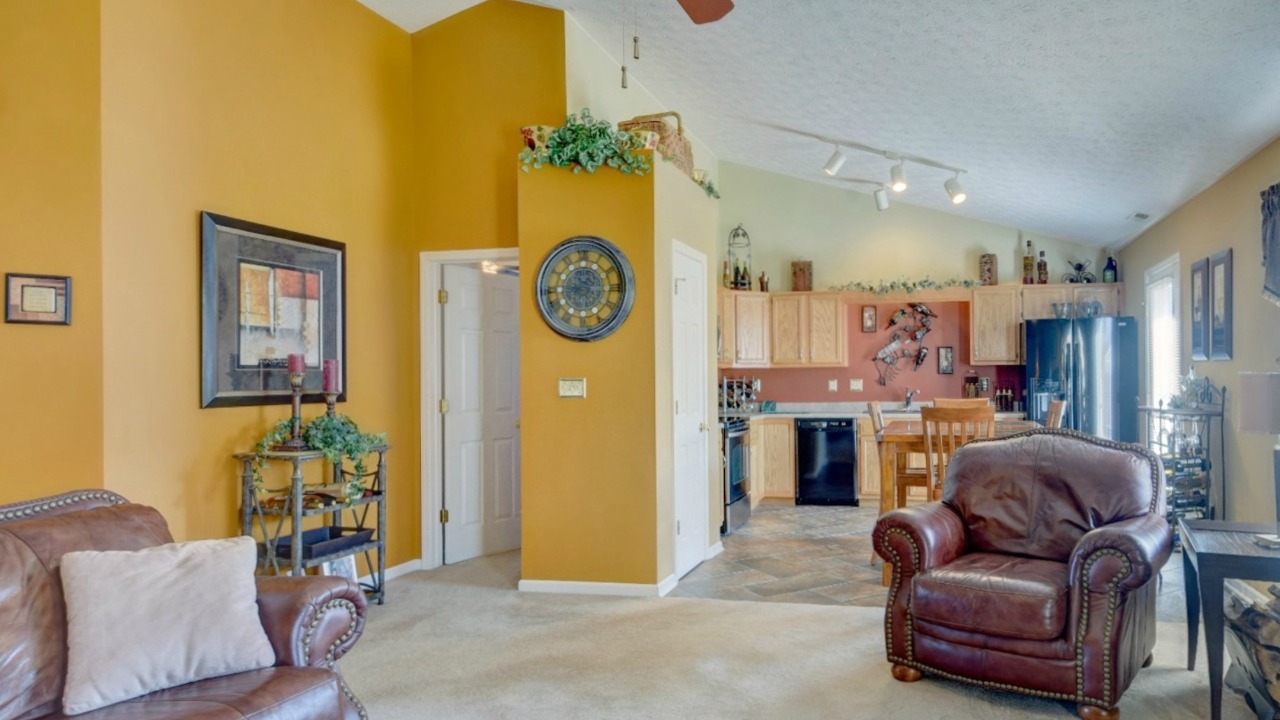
<point x="1029" y="266"/>
<point x="1109" y="272"/>
<point x="1042" y="270"/>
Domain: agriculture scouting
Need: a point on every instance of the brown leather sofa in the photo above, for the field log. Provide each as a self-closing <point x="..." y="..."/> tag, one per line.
<point x="1035" y="573"/>
<point x="311" y="622"/>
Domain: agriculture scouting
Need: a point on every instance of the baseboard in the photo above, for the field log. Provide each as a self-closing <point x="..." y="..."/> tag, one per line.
<point x="667" y="585"/>
<point x="575" y="587"/>
<point x="396" y="571"/>
<point x="715" y="550"/>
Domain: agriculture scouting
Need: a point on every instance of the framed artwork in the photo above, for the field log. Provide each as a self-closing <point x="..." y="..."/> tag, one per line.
<point x="868" y="318"/>
<point x="1220" y="306"/>
<point x="1200" y="310"/>
<point x="267" y="293"/>
<point x="946" y="360"/>
<point x="41" y="299"/>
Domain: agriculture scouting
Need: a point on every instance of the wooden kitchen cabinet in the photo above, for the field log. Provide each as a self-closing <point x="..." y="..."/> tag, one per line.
<point x="726" y="321"/>
<point x="1038" y="300"/>
<point x="995" y="316"/>
<point x="755" y="458"/>
<point x="808" y="330"/>
<point x="750" y="329"/>
<point x="777" y="464"/>
<point x="868" y="461"/>
<point x="1108" y="295"/>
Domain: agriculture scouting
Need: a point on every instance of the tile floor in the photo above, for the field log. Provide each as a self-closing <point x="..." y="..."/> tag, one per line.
<point x="822" y="555"/>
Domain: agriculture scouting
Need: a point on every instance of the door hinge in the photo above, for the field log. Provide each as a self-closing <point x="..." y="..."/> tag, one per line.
<point x="442" y="297"/>
<point x="444" y="515"/>
<point x="677" y="527"/>
<point x="444" y="406"/>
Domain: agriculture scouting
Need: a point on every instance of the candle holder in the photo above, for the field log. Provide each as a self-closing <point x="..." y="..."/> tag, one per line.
<point x="330" y="399"/>
<point x="295" y="443"/>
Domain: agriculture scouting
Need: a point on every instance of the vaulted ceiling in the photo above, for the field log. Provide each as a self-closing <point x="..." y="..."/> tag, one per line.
<point x="1069" y="117"/>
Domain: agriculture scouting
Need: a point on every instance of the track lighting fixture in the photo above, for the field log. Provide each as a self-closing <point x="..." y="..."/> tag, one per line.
<point x="882" y="199"/>
<point x="956" y="192"/>
<point x="835" y="163"/>
<point x="898" y="177"/>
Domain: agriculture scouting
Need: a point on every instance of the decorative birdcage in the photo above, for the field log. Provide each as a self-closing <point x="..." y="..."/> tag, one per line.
<point x="740" y="257"/>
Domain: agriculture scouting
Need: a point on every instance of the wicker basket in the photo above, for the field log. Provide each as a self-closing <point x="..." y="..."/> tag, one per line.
<point x="672" y="143"/>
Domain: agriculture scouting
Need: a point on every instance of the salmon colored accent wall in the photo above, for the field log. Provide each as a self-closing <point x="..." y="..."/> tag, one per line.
<point x="50" y="224"/>
<point x="588" y="466"/>
<point x="294" y="115"/>
<point x="478" y="77"/>
<point x="950" y="328"/>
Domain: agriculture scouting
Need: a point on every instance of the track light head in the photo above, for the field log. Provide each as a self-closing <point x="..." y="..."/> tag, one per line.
<point x="835" y="163"/>
<point x="882" y="199"/>
<point x="954" y="189"/>
<point x="898" y="177"/>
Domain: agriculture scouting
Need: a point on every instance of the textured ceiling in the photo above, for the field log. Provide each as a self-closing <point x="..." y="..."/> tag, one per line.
<point x="1069" y="116"/>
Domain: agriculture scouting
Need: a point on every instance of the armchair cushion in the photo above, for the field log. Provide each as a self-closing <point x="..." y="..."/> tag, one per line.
<point x="1003" y="595"/>
<point x="190" y="613"/>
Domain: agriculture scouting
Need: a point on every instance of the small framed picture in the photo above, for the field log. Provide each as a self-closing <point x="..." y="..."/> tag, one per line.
<point x="44" y="299"/>
<point x="1200" y="309"/>
<point x="946" y="360"/>
<point x="868" y="318"/>
<point x="1220" y="306"/>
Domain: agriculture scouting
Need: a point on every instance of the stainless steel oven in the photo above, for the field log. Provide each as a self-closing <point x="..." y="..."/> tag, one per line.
<point x="737" y="474"/>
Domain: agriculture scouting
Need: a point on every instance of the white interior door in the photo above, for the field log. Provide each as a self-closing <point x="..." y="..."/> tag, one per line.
<point x="689" y="377"/>
<point x="481" y="435"/>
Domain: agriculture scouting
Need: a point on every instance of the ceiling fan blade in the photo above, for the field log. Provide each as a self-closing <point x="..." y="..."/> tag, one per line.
<point x="705" y="11"/>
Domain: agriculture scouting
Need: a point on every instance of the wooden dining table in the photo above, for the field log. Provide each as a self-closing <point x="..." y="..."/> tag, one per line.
<point x="908" y="436"/>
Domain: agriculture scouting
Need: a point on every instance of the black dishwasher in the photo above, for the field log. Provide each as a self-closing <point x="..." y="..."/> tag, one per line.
<point x="826" y="462"/>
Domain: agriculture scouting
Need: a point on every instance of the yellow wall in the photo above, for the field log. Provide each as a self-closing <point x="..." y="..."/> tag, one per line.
<point x="295" y="115"/>
<point x="478" y="77"/>
<point x="1226" y="215"/>
<point x="588" y="465"/>
<point x="51" y="394"/>
<point x="848" y="240"/>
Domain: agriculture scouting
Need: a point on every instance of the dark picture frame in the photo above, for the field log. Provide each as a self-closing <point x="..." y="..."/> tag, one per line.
<point x="946" y="360"/>
<point x="1200" y="309"/>
<point x="37" y="299"/>
<point x="868" y="318"/>
<point x="1220" y="305"/>
<point x="266" y="293"/>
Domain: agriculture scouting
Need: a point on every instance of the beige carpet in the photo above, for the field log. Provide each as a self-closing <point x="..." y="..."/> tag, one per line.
<point x="460" y="642"/>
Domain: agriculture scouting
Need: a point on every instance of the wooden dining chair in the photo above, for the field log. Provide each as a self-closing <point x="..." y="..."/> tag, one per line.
<point x="1056" y="410"/>
<point x="945" y="430"/>
<point x="961" y="402"/>
<point x="905" y="477"/>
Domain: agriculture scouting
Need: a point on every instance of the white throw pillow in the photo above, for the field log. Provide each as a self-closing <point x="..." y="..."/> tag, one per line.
<point x="152" y="619"/>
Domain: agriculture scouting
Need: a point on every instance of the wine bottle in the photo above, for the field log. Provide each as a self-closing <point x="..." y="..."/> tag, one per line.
<point x="1028" y="265"/>
<point x="727" y="279"/>
<point x="1042" y="269"/>
<point x="1109" y="272"/>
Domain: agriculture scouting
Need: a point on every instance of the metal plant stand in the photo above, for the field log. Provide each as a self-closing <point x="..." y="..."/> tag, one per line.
<point x="1184" y="439"/>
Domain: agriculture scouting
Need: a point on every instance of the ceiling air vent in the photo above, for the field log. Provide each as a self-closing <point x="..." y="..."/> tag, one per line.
<point x="1140" y="217"/>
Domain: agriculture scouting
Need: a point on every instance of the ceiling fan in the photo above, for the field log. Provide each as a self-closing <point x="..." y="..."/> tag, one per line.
<point x="705" y="11"/>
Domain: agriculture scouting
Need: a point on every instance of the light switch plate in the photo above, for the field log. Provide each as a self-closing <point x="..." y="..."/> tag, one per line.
<point x="573" y="387"/>
<point x="833" y="385"/>
<point x="855" y="384"/>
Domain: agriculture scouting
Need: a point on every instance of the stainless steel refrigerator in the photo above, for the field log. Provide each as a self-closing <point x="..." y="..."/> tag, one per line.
<point x="1092" y="364"/>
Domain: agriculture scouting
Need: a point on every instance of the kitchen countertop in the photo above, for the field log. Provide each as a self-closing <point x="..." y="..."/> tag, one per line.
<point x="892" y="411"/>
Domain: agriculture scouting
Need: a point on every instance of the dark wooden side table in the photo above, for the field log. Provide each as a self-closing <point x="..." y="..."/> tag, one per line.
<point x="1213" y="550"/>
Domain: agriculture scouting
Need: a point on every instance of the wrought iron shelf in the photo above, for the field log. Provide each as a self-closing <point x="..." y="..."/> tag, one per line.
<point x="334" y="507"/>
<point x="1185" y="439"/>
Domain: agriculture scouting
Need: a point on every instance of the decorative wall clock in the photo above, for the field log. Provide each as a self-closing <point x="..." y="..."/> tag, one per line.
<point x="585" y="288"/>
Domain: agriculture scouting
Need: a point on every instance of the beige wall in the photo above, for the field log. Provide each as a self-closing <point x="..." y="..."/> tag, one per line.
<point x="849" y="240"/>
<point x="593" y="79"/>
<point x="288" y="114"/>
<point x="1226" y="215"/>
<point x="50" y="222"/>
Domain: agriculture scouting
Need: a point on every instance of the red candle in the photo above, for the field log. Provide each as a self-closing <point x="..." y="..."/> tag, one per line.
<point x="297" y="363"/>
<point x="331" y="376"/>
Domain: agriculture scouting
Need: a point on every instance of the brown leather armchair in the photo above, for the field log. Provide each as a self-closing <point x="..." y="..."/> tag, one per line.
<point x="1035" y="573"/>
<point x="310" y="621"/>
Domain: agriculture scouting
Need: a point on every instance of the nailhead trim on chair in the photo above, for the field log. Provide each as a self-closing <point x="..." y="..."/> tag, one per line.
<point x="1113" y="588"/>
<point x="62" y="501"/>
<point x="897" y="587"/>
<point x="330" y="660"/>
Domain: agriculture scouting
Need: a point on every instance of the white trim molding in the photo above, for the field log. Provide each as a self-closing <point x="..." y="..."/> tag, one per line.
<point x="576" y="587"/>
<point x="715" y="550"/>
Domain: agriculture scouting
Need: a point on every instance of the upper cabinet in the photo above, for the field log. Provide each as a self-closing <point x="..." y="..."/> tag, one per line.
<point x="743" y="318"/>
<point x="809" y="330"/>
<point x="1106" y="295"/>
<point x="994" y="318"/>
<point x="1038" y="300"/>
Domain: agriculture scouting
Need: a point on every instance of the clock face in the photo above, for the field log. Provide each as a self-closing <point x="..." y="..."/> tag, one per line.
<point x="585" y="288"/>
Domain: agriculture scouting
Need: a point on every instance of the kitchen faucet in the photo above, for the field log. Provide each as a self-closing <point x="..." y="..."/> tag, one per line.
<point x="910" y="395"/>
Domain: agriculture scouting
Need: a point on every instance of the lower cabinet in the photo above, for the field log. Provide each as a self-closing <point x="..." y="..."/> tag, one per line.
<point x="773" y="459"/>
<point x="869" y="463"/>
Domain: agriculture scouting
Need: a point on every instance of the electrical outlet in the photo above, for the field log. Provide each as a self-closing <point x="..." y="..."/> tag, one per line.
<point x="855" y="384"/>
<point x="833" y="385"/>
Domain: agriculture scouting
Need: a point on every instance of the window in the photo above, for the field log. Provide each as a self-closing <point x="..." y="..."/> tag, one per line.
<point x="1164" y="331"/>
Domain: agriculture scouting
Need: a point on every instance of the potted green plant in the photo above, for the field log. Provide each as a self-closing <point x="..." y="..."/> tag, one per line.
<point x="336" y="436"/>
<point x="586" y="143"/>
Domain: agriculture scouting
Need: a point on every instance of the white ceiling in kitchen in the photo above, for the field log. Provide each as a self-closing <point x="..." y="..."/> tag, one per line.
<point x="1069" y="116"/>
